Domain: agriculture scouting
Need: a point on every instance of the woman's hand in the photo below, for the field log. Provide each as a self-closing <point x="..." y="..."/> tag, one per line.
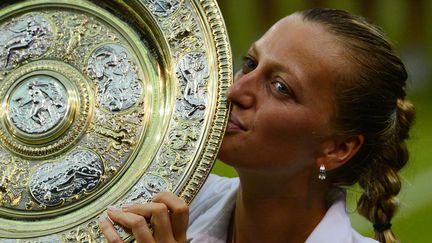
<point x="167" y="214"/>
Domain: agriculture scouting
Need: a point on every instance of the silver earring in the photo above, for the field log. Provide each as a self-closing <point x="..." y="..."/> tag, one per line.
<point x="322" y="173"/>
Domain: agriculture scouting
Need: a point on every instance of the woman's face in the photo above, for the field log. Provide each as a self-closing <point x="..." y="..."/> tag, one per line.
<point x="282" y="99"/>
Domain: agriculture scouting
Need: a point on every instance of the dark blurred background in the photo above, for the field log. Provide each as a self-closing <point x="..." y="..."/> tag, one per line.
<point x="407" y="23"/>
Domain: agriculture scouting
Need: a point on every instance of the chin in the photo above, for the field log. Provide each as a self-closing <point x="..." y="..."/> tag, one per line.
<point x="224" y="150"/>
<point x="224" y="157"/>
<point x="230" y="151"/>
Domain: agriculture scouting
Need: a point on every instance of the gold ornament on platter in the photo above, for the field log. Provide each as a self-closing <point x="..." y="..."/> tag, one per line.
<point x="105" y="103"/>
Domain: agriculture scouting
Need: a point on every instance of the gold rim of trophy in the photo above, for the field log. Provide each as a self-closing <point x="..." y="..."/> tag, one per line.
<point x="105" y="103"/>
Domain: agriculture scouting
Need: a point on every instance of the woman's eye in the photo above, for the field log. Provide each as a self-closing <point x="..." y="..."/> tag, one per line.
<point x="283" y="88"/>
<point x="249" y="64"/>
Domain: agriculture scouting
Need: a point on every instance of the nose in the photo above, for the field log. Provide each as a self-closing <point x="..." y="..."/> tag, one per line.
<point x="244" y="90"/>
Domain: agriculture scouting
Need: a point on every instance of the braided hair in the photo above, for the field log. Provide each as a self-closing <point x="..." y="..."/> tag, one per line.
<point x="370" y="101"/>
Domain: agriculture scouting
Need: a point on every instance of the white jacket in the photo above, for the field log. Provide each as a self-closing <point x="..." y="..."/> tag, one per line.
<point x="211" y="210"/>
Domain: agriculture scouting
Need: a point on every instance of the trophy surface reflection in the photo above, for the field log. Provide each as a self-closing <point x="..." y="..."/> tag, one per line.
<point x="105" y="103"/>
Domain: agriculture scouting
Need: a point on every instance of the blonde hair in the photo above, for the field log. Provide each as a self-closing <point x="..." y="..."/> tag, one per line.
<point x="370" y="101"/>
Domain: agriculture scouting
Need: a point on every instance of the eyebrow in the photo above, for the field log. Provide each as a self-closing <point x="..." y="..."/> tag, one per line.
<point x="298" y="85"/>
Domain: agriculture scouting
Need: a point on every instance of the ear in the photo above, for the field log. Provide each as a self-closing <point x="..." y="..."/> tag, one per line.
<point x="338" y="151"/>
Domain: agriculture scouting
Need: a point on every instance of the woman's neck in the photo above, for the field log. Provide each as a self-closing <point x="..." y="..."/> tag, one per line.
<point x="278" y="208"/>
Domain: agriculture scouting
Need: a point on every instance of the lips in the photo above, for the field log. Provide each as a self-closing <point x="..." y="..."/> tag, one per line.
<point x="235" y="125"/>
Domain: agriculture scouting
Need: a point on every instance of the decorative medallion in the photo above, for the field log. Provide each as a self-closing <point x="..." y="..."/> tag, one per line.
<point x="115" y="72"/>
<point x="61" y="181"/>
<point x="105" y="103"/>
<point x="28" y="36"/>
<point x="38" y="104"/>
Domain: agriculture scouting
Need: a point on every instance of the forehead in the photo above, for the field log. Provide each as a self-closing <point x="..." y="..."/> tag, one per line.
<point x="292" y="38"/>
<point x="306" y="49"/>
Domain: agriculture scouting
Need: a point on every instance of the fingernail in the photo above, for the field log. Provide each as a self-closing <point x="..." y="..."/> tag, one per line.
<point x="125" y="207"/>
<point x="103" y="217"/>
<point x="113" y="209"/>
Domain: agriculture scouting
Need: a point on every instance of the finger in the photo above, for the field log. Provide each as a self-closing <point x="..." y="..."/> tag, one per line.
<point x="159" y="218"/>
<point x="161" y="223"/>
<point x="179" y="213"/>
<point x="136" y="223"/>
<point x="108" y="230"/>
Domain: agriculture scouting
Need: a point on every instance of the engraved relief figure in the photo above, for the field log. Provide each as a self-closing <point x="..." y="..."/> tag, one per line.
<point x="184" y="34"/>
<point x="38" y="104"/>
<point x="23" y="38"/>
<point x="116" y="77"/>
<point x="83" y="233"/>
<point x="145" y="189"/>
<point x="119" y="137"/>
<point x="79" y="26"/>
<point x="193" y="68"/>
<point x="55" y="183"/>
<point x="193" y="72"/>
<point x="181" y="141"/>
<point x="155" y="184"/>
<point x="41" y="102"/>
<point x="162" y="8"/>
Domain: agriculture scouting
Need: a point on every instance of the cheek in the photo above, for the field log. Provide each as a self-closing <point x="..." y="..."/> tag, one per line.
<point x="278" y="138"/>
<point x="293" y="131"/>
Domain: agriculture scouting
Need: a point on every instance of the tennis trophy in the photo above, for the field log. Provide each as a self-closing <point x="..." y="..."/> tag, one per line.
<point x="105" y="102"/>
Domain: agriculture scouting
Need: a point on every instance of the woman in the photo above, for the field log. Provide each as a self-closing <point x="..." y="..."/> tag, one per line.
<point x="318" y="105"/>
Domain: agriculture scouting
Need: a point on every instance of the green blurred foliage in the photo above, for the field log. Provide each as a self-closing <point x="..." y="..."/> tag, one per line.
<point x="406" y="24"/>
